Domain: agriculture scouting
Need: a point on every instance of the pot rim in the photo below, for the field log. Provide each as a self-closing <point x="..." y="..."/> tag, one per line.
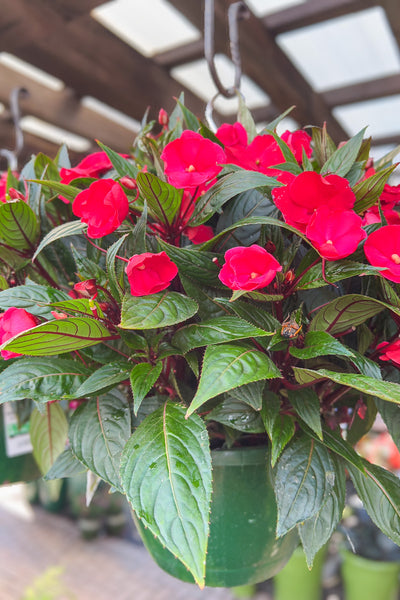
<point x="246" y="455"/>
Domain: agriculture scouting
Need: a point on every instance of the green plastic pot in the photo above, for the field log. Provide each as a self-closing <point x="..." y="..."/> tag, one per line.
<point x="297" y="581"/>
<point x="242" y="546"/>
<point x="16" y="459"/>
<point x="366" y="579"/>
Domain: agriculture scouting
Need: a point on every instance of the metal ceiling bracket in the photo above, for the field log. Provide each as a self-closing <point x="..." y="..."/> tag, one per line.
<point x="12" y="155"/>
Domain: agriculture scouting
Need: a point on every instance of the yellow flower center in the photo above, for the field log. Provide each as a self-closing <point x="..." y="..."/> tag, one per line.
<point x="253" y="275"/>
<point x="329" y="242"/>
<point x="190" y="169"/>
<point x="395" y="258"/>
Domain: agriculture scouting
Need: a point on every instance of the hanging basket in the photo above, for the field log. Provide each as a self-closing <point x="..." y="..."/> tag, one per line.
<point x="242" y="546"/>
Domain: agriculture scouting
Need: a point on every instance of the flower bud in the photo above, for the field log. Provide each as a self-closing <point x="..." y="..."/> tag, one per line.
<point x="163" y="117"/>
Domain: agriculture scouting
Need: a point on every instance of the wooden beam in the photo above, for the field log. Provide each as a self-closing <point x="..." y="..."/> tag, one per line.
<point x="268" y="66"/>
<point x="386" y="140"/>
<point x="367" y="90"/>
<point x="392" y="8"/>
<point x="65" y="110"/>
<point x="89" y="59"/>
<point x="180" y="55"/>
<point x="312" y="12"/>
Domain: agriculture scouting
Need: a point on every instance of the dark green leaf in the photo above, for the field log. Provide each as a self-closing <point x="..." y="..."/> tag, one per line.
<point x="143" y="376"/>
<point x="156" y="310"/>
<point x="104" y="378"/>
<point x="272" y="125"/>
<point x="65" y="465"/>
<point x="62" y="231"/>
<point x="228" y="366"/>
<point x="49" y="432"/>
<point x="123" y="166"/>
<point x="18" y="225"/>
<point x="114" y="279"/>
<point x="67" y="191"/>
<point x="163" y="199"/>
<point x="41" y="379"/>
<point x="280" y="428"/>
<point x="238" y="415"/>
<point x="251" y="394"/>
<point x="379" y="491"/>
<point x="334" y="271"/>
<point x="253" y="314"/>
<point x="334" y="441"/>
<point x="166" y="475"/>
<point x="304" y="478"/>
<point x="33" y="298"/>
<point x="58" y="336"/>
<point x="206" y="297"/>
<point x="214" y="331"/>
<point x="306" y="403"/>
<point x="369" y="190"/>
<point x="99" y="430"/>
<point x="320" y="343"/>
<point x="341" y="161"/>
<point x="345" y="313"/>
<point x="316" y="531"/>
<point x="360" y="425"/>
<point x="194" y="264"/>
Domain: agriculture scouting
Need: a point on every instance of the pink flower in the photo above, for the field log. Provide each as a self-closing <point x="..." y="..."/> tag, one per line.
<point x="92" y="165"/>
<point x="192" y="160"/>
<point x="12" y="322"/>
<point x="382" y="249"/>
<point x="262" y="153"/>
<point x="297" y="141"/>
<point x="103" y="207"/>
<point x="150" y="273"/>
<point x="372" y="216"/>
<point x="335" y="234"/>
<point x="308" y="191"/>
<point x="234" y="138"/>
<point x="248" y="268"/>
<point x="390" y="351"/>
<point x="199" y="234"/>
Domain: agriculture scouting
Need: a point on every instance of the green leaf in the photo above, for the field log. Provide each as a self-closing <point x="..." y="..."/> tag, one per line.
<point x="238" y="415"/>
<point x="316" y="531"/>
<point x="57" y="233"/>
<point x="194" y="264"/>
<point x="251" y="394"/>
<point x="306" y="403"/>
<point x="227" y="366"/>
<point x="320" y="343"/>
<point x="334" y="441"/>
<point x="246" y="119"/>
<point x="41" y="379"/>
<point x="114" y="280"/>
<point x="65" y="465"/>
<point x="206" y="297"/>
<point x="66" y="190"/>
<point x="365" y="365"/>
<point x="360" y="425"/>
<point x="345" y="313"/>
<point x="334" y="271"/>
<point x="253" y="314"/>
<point x="390" y="414"/>
<point x="368" y="385"/>
<point x="163" y="199"/>
<point x="78" y="307"/>
<point x="227" y="187"/>
<point x="143" y="376"/>
<point x="369" y="190"/>
<point x="280" y="428"/>
<point x="121" y="165"/>
<point x="166" y="475"/>
<point x="18" y="225"/>
<point x="99" y="430"/>
<point x="304" y="478"/>
<point x="214" y="331"/>
<point x="33" y="298"/>
<point x="87" y="268"/>
<point x="49" y="432"/>
<point x="379" y="491"/>
<point x="157" y="310"/>
<point x="341" y="161"/>
<point x="272" y="125"/>
<point x="58" y="336"/>
<point x="104" y="378"/>
<point x="191" y="120"/>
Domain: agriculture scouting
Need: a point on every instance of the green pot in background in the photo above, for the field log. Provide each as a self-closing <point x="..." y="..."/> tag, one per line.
<point x="366" y="579"/>
<point x="16" y="459"/>
<point x="296" y="581"/>
<point x="242" y="546"/>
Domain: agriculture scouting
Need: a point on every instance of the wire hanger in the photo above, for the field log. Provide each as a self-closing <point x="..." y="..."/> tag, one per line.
<point x="12" y="155"/>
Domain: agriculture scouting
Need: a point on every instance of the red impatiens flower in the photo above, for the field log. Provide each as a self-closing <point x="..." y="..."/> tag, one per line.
<point x="382" y="249"/>
<point x="12" y="322"/>
<point x="93" y="165"/>
<point x="248" y="268"/>
<point x="308" y="191"/>
<point x="297" y="141"/>
<point x="103" y="206"/>
<point x="335" y="234"/>
<point x="260" y="155"/>
<point x="372" y="216"/>
<point x="390" y="351"/>
<point x="234" y="138"/>
<point x="150" y="273"/>
<point x="199" y="234"/>
<point x="192" y="160"/>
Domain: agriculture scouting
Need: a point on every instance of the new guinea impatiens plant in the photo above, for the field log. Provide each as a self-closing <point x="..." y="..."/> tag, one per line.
<point x="207" y="291"/>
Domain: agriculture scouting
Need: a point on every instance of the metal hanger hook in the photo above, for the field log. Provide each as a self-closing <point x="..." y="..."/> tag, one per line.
<point x="236" y="12"/>
<point x="12" y="155"/>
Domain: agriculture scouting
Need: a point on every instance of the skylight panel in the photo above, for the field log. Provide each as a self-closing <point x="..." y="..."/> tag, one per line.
<point x="149" y="26"/>
<point x="28" y="70"/>
<point x="381" y="116"/>
<point x="345" y="50"/>
<point x="54" y="134"/>
<point x="196" y="77"/>
<point x="261" y="8"/>
<point x="111" y="113"/>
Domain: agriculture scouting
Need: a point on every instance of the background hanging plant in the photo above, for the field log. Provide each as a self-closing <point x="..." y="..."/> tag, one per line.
<point x="214" y="291"/>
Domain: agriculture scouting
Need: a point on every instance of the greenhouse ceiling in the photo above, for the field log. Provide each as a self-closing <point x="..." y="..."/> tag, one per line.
<point x="92" y="68"/>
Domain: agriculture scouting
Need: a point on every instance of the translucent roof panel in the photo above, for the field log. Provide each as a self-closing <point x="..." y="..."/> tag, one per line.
<point x="54" y="134"/>
<point x="345" y="50"/>
<point x="381" y="115"/>
<point x="28" y="70"/>
<point x="266" y="7"/>
<point x="286" y="124"/>
<point x="150" y="27"/>
<point x="110" y="113"/>
<point x="196" y="77"/>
